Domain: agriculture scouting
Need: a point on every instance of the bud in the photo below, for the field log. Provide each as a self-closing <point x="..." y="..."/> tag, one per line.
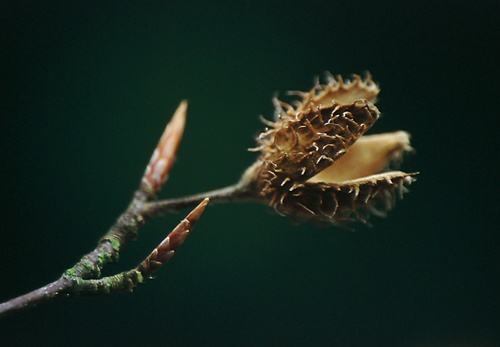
<point x="161" y="161"/>
<point x="315" y="162"/>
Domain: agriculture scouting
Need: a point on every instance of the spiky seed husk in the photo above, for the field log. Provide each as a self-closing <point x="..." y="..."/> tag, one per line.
<point x="301" y="148"/>
<point x="309" y="137"/>
<point x="337" y="90"/>
<point x="342" y="203"/>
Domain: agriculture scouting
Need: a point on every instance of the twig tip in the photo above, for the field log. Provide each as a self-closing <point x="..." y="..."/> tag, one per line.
<point x="163" y="157"/>
<point x="196" y="213"/>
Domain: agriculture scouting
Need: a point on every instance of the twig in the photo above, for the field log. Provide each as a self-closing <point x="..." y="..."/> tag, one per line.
<point x="85" y="276"/>
<point x="70" y="285"/>
<point x="305" y="171"/>
<point x="158" y="257"/>
<point x="238" y="192"/>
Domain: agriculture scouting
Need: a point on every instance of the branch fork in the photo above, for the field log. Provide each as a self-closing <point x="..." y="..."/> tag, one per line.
<point x="84" y="278"/>
<point x="316" y="163"/>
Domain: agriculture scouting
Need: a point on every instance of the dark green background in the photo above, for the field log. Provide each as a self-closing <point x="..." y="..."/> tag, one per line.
<point x="86" y="91"/>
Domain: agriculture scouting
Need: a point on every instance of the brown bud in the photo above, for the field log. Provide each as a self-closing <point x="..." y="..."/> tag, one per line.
<point x="163" y="156"/>
<point x="167" y="248"/>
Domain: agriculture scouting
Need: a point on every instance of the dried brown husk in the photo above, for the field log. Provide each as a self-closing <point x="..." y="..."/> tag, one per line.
<point x="315" y="162"/>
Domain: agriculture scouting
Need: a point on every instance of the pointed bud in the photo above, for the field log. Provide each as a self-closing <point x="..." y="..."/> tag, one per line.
<point x="163" y="156"/>
<point x="167" y="248"/>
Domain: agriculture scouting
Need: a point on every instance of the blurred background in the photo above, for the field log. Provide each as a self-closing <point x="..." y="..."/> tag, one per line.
<point x="87" y="89"/>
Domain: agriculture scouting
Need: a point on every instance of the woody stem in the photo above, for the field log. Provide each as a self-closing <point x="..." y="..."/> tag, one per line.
<point x="238" y="192"/>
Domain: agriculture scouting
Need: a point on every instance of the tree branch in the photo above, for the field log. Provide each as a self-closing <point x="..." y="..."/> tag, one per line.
<point x="84" y="276"/>
<point x="234" y="193"/>
<point x="71" y="285"/>
<point x="305" y="141"/>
